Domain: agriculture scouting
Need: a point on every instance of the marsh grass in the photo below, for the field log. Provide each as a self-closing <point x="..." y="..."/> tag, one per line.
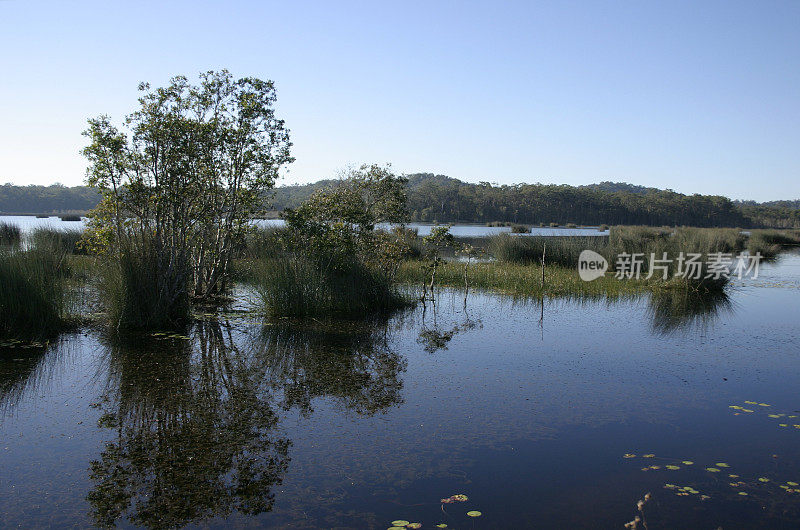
<point x="770" y="243"/>
<point x="563" y="251"/>
<point x="520" y="229"/>
<point x="522" y="280"/>
<point x="57" y="241"/>
<point x="146" y="289"/>
<point x="10" y="235"/>
<point x="32" y="295"/>
<point x="297" y="286"/>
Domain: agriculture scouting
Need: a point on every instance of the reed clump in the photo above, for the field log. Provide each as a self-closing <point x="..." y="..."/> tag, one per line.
<point x="520" y="229"/>
<point x="293" y="285"/>
<point x="57" y="241"/>
<point x="10" y="235"/>
<point x="562" y="251"/>
<point x="146" y="288"/>
<point x="32" y="295"/>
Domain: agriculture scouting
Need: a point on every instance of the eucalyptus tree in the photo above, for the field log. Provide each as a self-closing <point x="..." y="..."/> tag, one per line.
<point x="187" y="172"/>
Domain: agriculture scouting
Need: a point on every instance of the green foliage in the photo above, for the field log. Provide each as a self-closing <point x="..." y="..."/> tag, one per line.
<point x="10" y="235"/>
<point x="32" y="295"/>
<point x="189" y="172"/>
<point x="146" y="288"/>
<point x="332" y="259"/>
<point x="520" y="229"/>
<point x="562" y="251"/>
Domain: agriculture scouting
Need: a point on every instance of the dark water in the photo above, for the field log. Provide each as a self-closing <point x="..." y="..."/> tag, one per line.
<point x="356" y="425"/>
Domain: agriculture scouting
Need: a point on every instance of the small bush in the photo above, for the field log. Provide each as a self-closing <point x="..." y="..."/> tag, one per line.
<point x="10" y="235"/>
<point x="520" y="229"/>
<point x="32" y="295"/>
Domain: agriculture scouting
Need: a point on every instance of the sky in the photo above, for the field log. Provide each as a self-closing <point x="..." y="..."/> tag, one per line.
<point x="699" y="97"/>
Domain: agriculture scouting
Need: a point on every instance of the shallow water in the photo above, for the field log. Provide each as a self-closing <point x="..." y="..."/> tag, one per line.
<point x="239" y="424"/>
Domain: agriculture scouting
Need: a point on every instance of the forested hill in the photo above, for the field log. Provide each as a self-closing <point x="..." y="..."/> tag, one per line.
<point x="446" y="199"/>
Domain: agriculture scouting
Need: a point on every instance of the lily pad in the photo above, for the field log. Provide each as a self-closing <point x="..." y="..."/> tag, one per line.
<point x="712" y="469"/>
<point x="743" y="493"/>
<point x="687" y="462"/>
<point x="474" y="513"/>
<point x="414" y="526"/>
<point x="793" y="483"/>
<point x="400" y="522"/>
<point x="673" y="468"/>
<point x="628" y="455"/>
<point x="721" y="464"/>
<point x="441" y="525"/>
<point x="648" y="455"/>
<point x="763" y="479"/>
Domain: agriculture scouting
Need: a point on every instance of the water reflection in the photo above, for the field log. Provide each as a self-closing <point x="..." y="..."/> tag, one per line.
<point x="674" y="310"/>
<point x="23" y="371"/>
<point x="197" y="422"/>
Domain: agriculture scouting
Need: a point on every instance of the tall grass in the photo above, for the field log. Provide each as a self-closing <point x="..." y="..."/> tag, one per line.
<point x="563" y="251"/>
<point x="298" y="286"/>
<point x="57" y="241"/>
<point x="10" y="235"/>
<point x="769" y="243"/>
<point x="146" y="289"/>
<point x="32" y="295"/>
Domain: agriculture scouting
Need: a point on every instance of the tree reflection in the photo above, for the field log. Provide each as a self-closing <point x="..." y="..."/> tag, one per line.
<point x="197" y="421"/>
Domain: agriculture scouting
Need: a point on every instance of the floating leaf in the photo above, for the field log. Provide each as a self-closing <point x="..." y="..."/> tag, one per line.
<point x="673" y="468"/>
<point x="734" y="476"/>
<point x="672" y="486"/>
<point x="687" y="462"/>
<point x="752" y="402"/>
<point x="774" y="415"/>
<point x="648" y="456"/>
<point x="743" y="493"/>
<point x="628" y="455"/>
<point x="746" y="410"/>
<point x="460" y="497"/>
<point x="712" y="469"/>
<point x="655" y="467"/>
<point x="793" y="484"/>
<point x="400" y="522"/>
<point x="704" y="497"/>
<point x="783" y="425"/>
<point x="721" y="464"/>
<point x="414" y="526"/>
<point x="474" y="513"/>
<point x="763" y="479"/>
<point x="441" y="525"/>
<point x="764" y="405"/>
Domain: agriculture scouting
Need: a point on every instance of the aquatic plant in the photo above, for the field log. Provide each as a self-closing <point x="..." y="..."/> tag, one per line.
<point x="10" y="235"/>
<point x="32" y="295"/>
<point x="57" y="241"/>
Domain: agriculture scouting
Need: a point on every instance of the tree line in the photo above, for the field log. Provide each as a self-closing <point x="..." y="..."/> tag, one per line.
<point x="444" y="199"/>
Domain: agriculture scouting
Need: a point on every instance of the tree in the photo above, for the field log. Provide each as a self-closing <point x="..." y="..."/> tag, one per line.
<point x="188" y="173"/>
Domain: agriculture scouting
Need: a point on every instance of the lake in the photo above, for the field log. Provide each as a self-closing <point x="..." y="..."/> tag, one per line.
<point x="28" y="224"/>
<point x="561" y="415"/>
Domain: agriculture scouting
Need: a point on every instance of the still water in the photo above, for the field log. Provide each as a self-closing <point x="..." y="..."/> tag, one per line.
<point x="28" y="224"/>
<point x="528" y="410"/>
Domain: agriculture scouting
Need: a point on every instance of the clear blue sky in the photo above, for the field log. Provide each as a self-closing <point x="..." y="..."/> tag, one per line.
<point x="700" y="97"/>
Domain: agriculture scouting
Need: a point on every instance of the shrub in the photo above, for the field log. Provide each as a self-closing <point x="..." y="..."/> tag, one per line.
<point x="572" y="225"/>
<point x="520" y="229"/>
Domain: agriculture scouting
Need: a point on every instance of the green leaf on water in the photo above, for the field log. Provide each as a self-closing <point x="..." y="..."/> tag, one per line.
<point x="474" y="513"/>
<point x="746" y="410"/>
<point x="441" y="525"/>
<point x="721" y="464"/>
<point x="793" y="484"/>
<point x="414" y="526"/>
<point x="734" y="476"/>
<point x="764" y="405"/>
<point x="400" y="522"/>
<point x="763" y="479"/>
<point x="743" y="493"/>
<point x="712" y="469"/>
<point x="783" y="425"/>
<point x="687" y="462"/>
<point x="752" y="402"/>
<point x="648" y="455"/>
<point x="773" y="415"/>
<point x="628" y="455"/>
<point x="673" y="468"/>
